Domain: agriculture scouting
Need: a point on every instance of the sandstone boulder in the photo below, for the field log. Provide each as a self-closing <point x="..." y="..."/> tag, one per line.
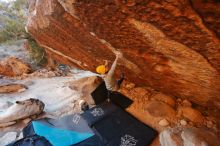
<point x="86" y="86"/>
<point x="166" y="44"/>
<point x="13" y="67"/>
<point x="20" y="110"/>
<point x="188" y="137"/>
<point x="192" y="114"/>
<point x="11" y="88"/>
<point x="160" y="109"/>
<point x="5" y="105"/>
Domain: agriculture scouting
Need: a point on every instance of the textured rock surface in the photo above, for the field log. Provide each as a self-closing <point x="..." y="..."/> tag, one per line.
<point x="210" y="12"/>
<point x="164" y="98"/>
<point x="188" y="137"/>
<point x="8" y="138"/>
<point x="183" y="122"/>
<point x="192" y="114"/>
<point x="163" y="123"/>
<point x="160" y="109"/>
<point x="86" y="86"/>
<point x="11" y="88"/>
<point x="13" y="67"/>
<point x="21" y="110"/>
<point x="186" y="103"/>
<point x="172" y="46"/>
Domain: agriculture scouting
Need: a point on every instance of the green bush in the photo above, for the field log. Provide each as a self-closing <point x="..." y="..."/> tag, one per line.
<point x="13" y="28"/>
<point x="38" y="54"/>
<point x="13" y="20"/>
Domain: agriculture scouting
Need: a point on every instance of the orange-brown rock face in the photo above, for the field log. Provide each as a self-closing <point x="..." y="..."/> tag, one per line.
<point x="12" y="66"/>
<point x="166" y="44"/>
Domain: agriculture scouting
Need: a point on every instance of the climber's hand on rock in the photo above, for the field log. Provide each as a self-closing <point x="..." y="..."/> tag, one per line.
<point x="118" y="54"/>
<point x="106" y="62"/>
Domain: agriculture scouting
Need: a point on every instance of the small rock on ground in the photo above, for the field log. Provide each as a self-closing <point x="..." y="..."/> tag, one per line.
<point x="183" y="122"/>
<point x="186" y="103"/>
<point x="164" y="122"/>
<point x="209" y="124"/>
<point x="192" y="114"/>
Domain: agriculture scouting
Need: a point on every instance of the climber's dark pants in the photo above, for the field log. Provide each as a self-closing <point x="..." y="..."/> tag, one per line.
<point x="120" y="81"/>
<point x="118" y="98"/>
<point x="109" y="94"/>
<point x="101" y="94"/>
<point x="119" y="85"/>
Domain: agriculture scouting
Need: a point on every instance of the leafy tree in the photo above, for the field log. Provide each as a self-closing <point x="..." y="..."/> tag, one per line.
<point x="12" y="20"/>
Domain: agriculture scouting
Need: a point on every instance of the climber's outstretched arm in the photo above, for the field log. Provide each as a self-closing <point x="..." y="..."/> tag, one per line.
<point x="113" y="67"/>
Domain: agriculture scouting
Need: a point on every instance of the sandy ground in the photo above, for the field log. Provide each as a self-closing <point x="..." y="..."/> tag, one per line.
<point x="52" y="91"/>
<point x="55" y="92"/>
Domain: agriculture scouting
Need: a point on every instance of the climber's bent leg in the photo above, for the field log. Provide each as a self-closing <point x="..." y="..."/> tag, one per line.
<point x="120" y="80"/>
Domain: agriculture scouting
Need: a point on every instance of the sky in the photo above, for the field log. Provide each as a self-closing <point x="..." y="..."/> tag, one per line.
<point x="6" y="0"/>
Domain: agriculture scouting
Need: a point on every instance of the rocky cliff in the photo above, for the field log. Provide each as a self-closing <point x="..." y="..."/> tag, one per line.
<point x="170" y="45"/>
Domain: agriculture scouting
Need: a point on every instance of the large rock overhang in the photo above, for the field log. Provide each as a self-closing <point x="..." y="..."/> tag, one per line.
<point x="166" y="45"/>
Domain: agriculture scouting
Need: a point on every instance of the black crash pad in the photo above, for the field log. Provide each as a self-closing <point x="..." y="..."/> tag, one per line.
<point x="116" y="127"/>
<point x="109" y="125"/>
<point x="100" y="95"/>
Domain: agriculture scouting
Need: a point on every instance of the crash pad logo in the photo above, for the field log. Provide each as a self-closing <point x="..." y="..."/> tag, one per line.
<point x="128" y="140"/>
<point x="97" y="112"/>
<point x="76" y="119"/>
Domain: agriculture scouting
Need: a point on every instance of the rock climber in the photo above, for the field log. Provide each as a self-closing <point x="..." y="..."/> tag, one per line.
<point x="111" y="83"/>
